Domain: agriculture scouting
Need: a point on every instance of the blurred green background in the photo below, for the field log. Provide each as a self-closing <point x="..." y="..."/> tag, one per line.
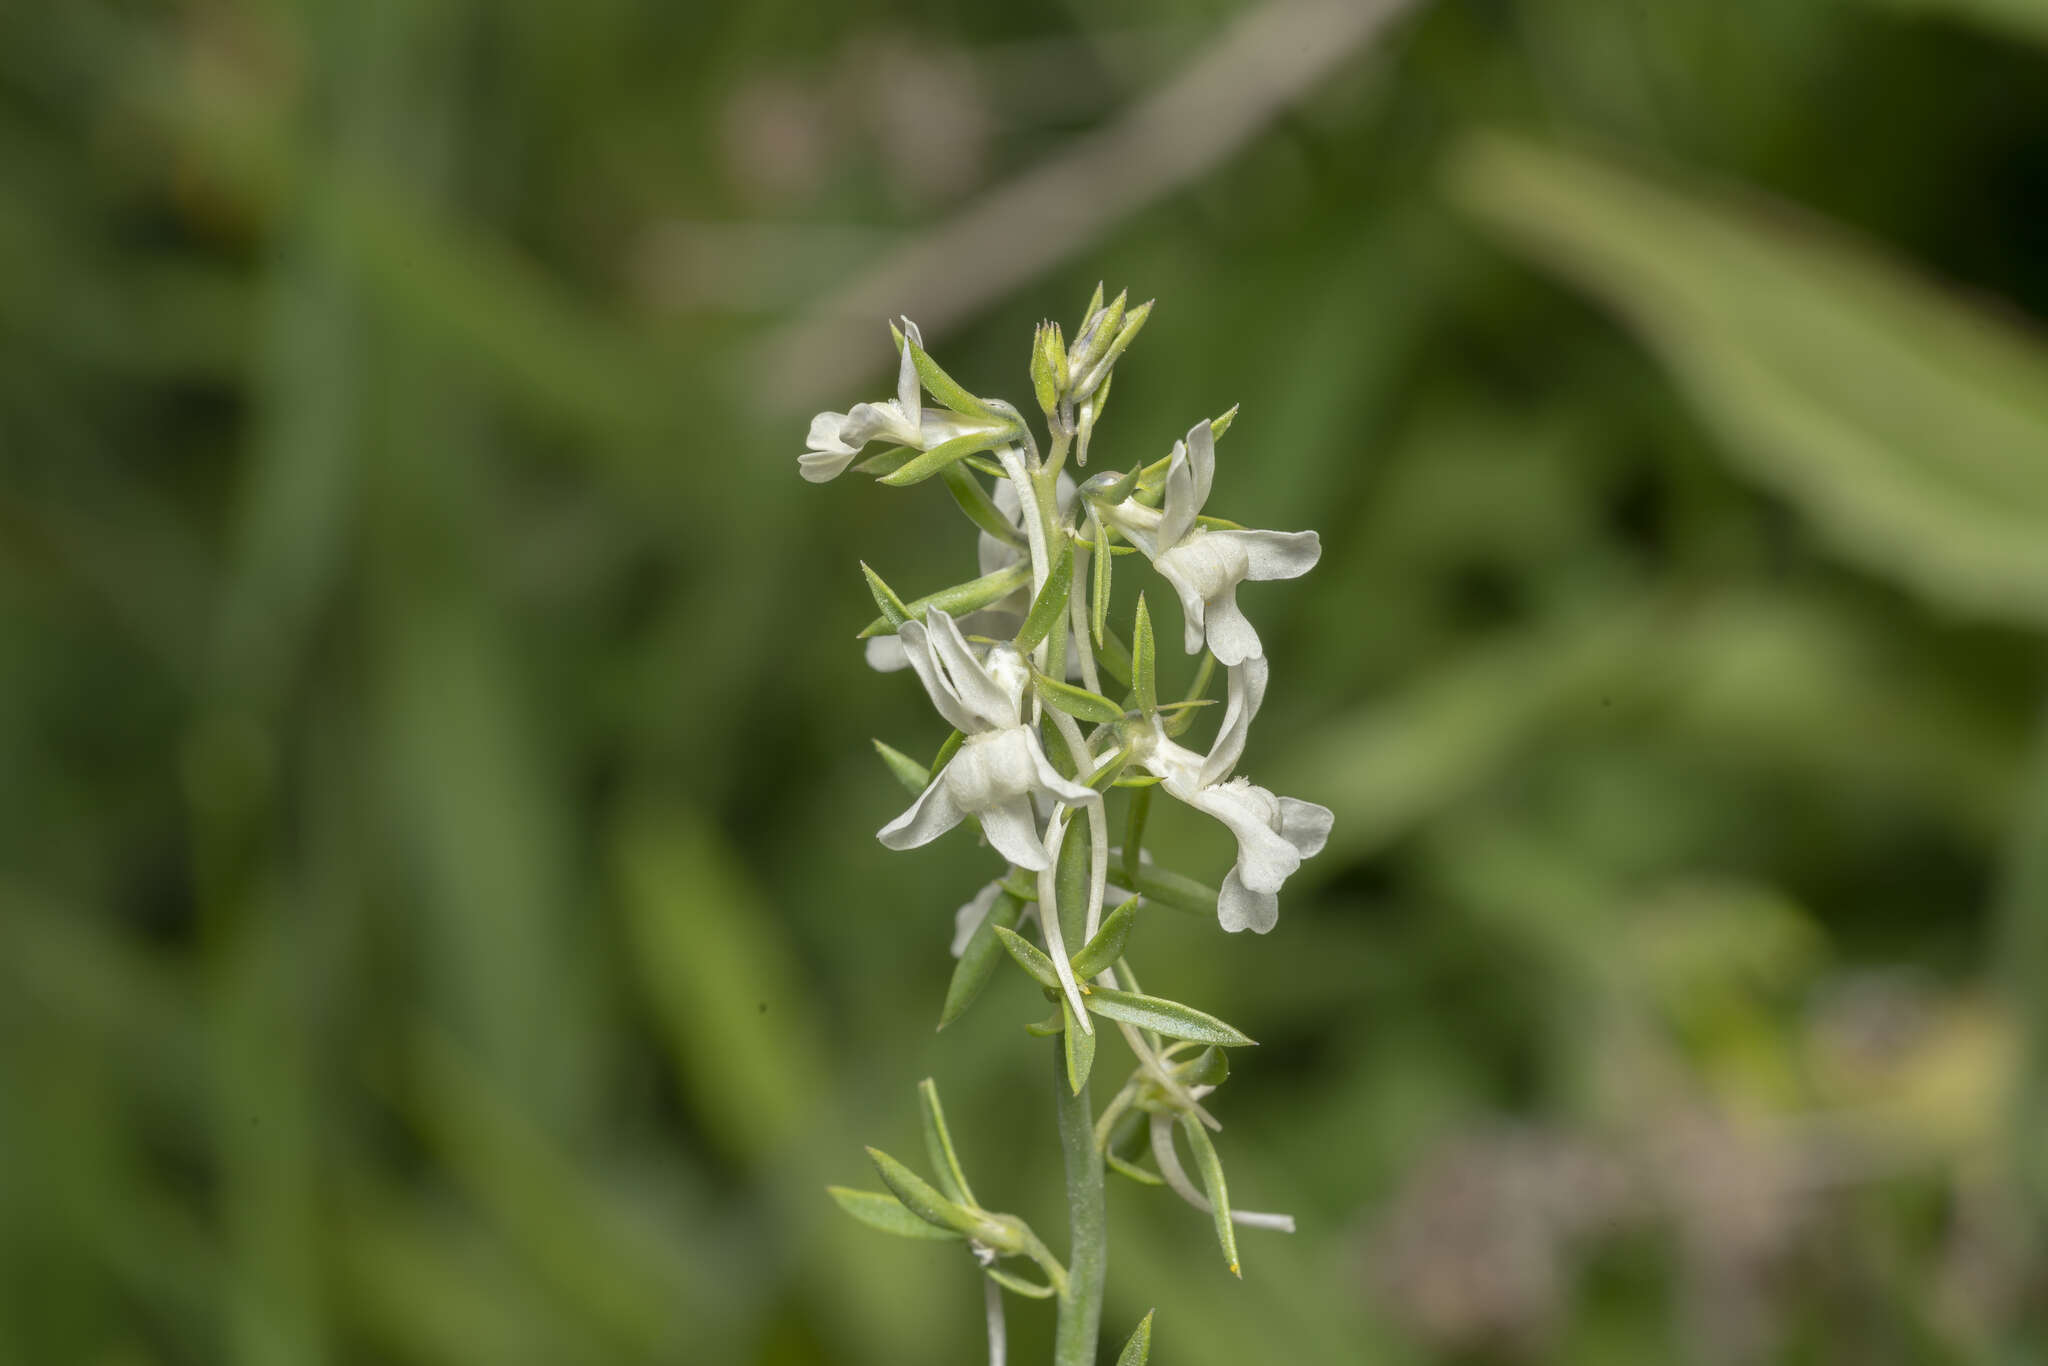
<point x="439" y="914"/>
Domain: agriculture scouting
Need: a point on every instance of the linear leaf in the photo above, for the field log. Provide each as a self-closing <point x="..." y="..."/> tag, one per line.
<point x="1077" y="701"/>
<point x="1144" y="660"/>
<point x="1211" y="1168"/>
<point x="943" y="387"/>
<point x="971" y="596"/>
<point x="1138" y="1350"/>
<point x="940" y="456"/>
<point x="978" y="960"/>
<point x="1108" y="944"/>
<point x="938" y="1144"/>
<point x="1029" y="958"/>
<point x="981" y="509"/>
<point x="1080" y="1048"/>
<point x="921" y="1199"/>
<point x="893" y="609"/>
<point x="885" y="1212"/>
<point x="912" y="774"/>
<point x="1171" y="1018"/>
<point x="1050" y="607"/>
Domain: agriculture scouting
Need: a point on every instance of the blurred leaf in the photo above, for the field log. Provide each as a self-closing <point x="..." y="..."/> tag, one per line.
<point x="914" y="776"/>
<point x="938" y="1144"/>
<point x="981" y="509"/>
<point x="919" y="1197"/>
<point x="1079" y="1048"/>
<point x="886" y="1212"/>
<point x="2022" y="18"/>
<point x="1910" y="427"/>
<point x="1138" y="1350"/>
<point x="1211" y="1169"/>
<point x="978" y="960"/>
<point x="885" y="597"/>
<point x="1144" y="658"/>
<point x="961" y="597"/>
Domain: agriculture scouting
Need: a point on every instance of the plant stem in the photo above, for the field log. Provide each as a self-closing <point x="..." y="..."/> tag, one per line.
<point x="1080" y="1317"/>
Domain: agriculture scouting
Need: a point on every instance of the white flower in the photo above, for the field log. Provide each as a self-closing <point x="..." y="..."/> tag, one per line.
<point x="1002" y="618"/>
<point x="998" y="766"/>
<point x="836" y="438"/>
<point x="1274" y="834"/>
<point x="1205" y="565"/>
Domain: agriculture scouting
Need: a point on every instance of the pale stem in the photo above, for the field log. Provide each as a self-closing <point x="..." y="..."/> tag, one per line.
<point x="998" y="1340"/>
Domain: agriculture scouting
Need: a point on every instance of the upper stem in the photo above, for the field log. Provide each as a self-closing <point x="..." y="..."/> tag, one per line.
<point x="1080" y="1309"/>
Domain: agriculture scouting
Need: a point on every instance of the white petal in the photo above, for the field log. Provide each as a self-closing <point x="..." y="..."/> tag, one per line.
<point x="968" y="918"/>
<point x="1240" y="908"/>
<point x="917" y="652"/>
<point x="1177" y="513"/>
<point x="930" y="816"/>
<point x="1277" y="554"/>
<point x="1193" y="610"/>
<point x="1305" y="825"/>
<point x="1247" y="693"/>
<point x="1231" y="637"/>
<point x="1011" y="829"/>
<point x="979" y="694"/>
<point x="1264" y="859"/>
<point x="886" y="654"/>
<point x="827" y="434"/>
<point x="906" y="369"/>
<point x="1202" y="460"/>
<point x="823" y="466"/>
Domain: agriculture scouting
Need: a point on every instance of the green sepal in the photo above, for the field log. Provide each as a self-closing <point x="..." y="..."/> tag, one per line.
<point x="1209" y="523"/>
<point x="1108" y="944"/>
<point x="1219" y="425"/>
<point x="1094" y="304"/>
<point x="1211" y="1168"/>
<point x="1125" y="335"/>
<point x="885" y="1212"/>
<point x="1079" y="1048"/>
<point x="893" y="609"/>
<point x="1138" y="1350"/>
<point x="1161" y="1016"/>
<point x="981" y="509"/>
<point x="938" y="1145"/>
<point x="931" y="462"/>
<point x="1210" y="1067"/>
<point x="1017" y="1285"/>
<point x="1091" y="412"/>
<point x="886" y="462"/>
<point x="971" y="596"/>
<point x="1133" y="1171"/>
<point x="1020" y="884"/>
<point x="1140" y="780"/>
<point x="978" y="959"/>
<point x="1048" y="365"/>
<point x="941" y="385"/>
<point x="1106" y="773"/>
<point x="1050" y="607"/>
<point x="920" y="1198"/>
<point x="1029" y="958"/>
<point x="1047" y="1027"/>
<point x="1077" y="701"/>
<point x="1144" y="660"/>
<point x="948" y="747"/>
<point x="908" y="771"/>
<point x="1171" y="889"/>
<point x="981" y="464"/>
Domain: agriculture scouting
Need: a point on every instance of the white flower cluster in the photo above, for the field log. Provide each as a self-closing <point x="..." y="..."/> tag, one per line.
<point x="983" y="684"/>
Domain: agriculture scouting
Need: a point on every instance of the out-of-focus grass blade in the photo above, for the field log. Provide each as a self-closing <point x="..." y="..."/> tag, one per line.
<point x="2021" y="18"/>
<point x="1912" y="429"/>
<point x="725" y="994"/>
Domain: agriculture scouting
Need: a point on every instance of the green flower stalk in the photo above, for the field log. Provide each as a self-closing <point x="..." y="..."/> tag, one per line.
<point x="1052" y="713"/>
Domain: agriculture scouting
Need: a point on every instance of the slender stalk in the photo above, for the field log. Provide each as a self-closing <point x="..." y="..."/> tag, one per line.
<point x="1080" y="1309"/>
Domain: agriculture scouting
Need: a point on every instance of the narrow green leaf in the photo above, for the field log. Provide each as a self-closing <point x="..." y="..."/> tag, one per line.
<point x="1171" y="889"/>
<point x="1181" y="720"/>
<point x="1138" y="1350"/>
<point x="885" y="597"/>
<point x="1077" y="701"/>
<point x="1106" y="773"/>
<point x="949" y="747"/>
<point x="1050" y="607"/>
<point x="944" y="387"/>
<point x="886" y="1212"/>
<point x="981" y="509"/>
<point x="1047" y="1027"/>
<point x="1017" y="1285"/>
<point x="1134" y="838"/>
<point x="940" y="456"/>
<point x="978" y="960"/>
<point x="921" y="1199"/>
<point x="1080" y="1048"/>
<point x="1048" y="366"/>
<point x="1113" y="658"/>
<point x="959" y="598"/>
<point x="1029" y="958"/>
<point x="1099" y="615"/>
<point x="1108" y="944"/>
<point x="1170" y="1018"/>
<point x="938" y="1145"/>
<point x="912" y="774"/>
<point x="1144" y="660"/>
<point x="1211" y="1168"/>
<point x="1094" y="305"/>
<point x="1219" y="425"/>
